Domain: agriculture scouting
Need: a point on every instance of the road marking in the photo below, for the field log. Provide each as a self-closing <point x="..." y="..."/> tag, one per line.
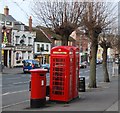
<point x="14" y="104"/>
<point x="14" y="92"/>
<point x="12" y="78"/>
<point x="6" y="106"/>
<point x="21" y="82"/>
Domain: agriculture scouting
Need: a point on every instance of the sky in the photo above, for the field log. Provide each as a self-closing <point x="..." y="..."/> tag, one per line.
<point x="21" y="9"/>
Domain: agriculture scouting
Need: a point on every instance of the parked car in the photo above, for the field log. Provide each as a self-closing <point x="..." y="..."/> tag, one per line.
<point x="116" y="60"/>
<point x="98" y="61"/>
<point x="83" y="64"/>
<point x="30" y="64"/>
<point x="46" y="66"/>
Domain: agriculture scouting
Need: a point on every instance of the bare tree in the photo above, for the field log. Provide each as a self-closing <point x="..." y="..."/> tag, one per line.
<point x="97" y="16"/>
<point x="106" y="41"/>
<point x="64" y="17"/>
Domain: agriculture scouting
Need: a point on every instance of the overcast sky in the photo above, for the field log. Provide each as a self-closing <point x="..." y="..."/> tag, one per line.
<point x="21" y="9"/>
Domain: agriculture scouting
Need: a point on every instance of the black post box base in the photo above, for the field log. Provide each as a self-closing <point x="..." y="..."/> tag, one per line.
<point x="37" y="103"/>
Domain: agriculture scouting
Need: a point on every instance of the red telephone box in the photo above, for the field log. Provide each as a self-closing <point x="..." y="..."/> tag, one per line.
<point x="38" y="88"/>
<point x="75" y="77"/>
<point x="61" y="72"/>
<point x="76" y="72"/>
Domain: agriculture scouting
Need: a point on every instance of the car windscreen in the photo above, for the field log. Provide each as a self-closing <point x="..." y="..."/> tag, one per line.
<point x="37" y="64"/>
<point x="27" y="63"/>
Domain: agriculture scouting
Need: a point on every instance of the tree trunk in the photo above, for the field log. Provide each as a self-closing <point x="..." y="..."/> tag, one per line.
<point x="92" y="79"/>
<point x="65" y="40"/>
<point x="105" y="71"/>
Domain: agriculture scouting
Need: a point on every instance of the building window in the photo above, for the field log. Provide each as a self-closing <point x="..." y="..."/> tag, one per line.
<point x="38" y="47"/>
<point x="43" y="46"/>
<point x="17" y="56"/>
<point x="17" y="39"/>
<point x="47" y="47"/>
<point x="29" y="55"/>
<point x="29" y="41"/>
<point x="57" y="43"/>
<point x="8" y="23"/>
<point x="81" y="49"/>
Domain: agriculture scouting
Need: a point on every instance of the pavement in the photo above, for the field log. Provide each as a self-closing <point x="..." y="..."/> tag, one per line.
<point x="102" y="98"/>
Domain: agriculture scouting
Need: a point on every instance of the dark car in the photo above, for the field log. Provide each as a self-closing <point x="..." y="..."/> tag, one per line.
<point x="46" y="66"/>
<point x="30" y="64"/>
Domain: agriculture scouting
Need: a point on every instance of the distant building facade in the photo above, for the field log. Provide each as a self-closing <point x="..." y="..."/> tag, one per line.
<point x="17" y="44"/>
<point x="82" y="43"/>
<point x="42" y="47"/>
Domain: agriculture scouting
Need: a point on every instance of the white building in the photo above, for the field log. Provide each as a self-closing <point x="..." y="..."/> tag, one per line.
<point x="42" y="55"/>
<point x="23" y="42"/>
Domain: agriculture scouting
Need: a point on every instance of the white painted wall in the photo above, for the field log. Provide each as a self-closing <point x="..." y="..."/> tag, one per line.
<point x="25" y="51"/>
<point x="45" y="44"/>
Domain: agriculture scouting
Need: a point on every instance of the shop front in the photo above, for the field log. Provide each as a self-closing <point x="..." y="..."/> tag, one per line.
<point x="42" y="58"/>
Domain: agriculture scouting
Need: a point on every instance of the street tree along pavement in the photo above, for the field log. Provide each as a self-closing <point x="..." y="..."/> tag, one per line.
<point x="95" y="20"/>
<point x="106" y="41"/>
<point x="64" y="17"/>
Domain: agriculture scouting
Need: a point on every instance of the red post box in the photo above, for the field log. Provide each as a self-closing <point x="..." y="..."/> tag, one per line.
<point x="38" y="88"/>
<point x="61" y="72"/>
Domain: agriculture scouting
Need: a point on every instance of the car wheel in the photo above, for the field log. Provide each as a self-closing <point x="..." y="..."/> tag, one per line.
<point x="24" y="72"/>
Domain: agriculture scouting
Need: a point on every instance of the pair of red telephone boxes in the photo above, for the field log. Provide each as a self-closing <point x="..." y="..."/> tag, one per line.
<point x="64" y="73"/>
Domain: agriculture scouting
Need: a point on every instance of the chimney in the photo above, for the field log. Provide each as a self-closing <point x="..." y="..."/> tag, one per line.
<point x="6" y="11"/>
<point x="30" y="24"/>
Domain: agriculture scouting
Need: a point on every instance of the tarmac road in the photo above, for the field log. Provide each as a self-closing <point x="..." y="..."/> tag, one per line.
<point x="16" y="90"/>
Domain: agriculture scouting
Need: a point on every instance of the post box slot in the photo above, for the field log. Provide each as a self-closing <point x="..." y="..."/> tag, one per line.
<point x="41" y="74"/>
